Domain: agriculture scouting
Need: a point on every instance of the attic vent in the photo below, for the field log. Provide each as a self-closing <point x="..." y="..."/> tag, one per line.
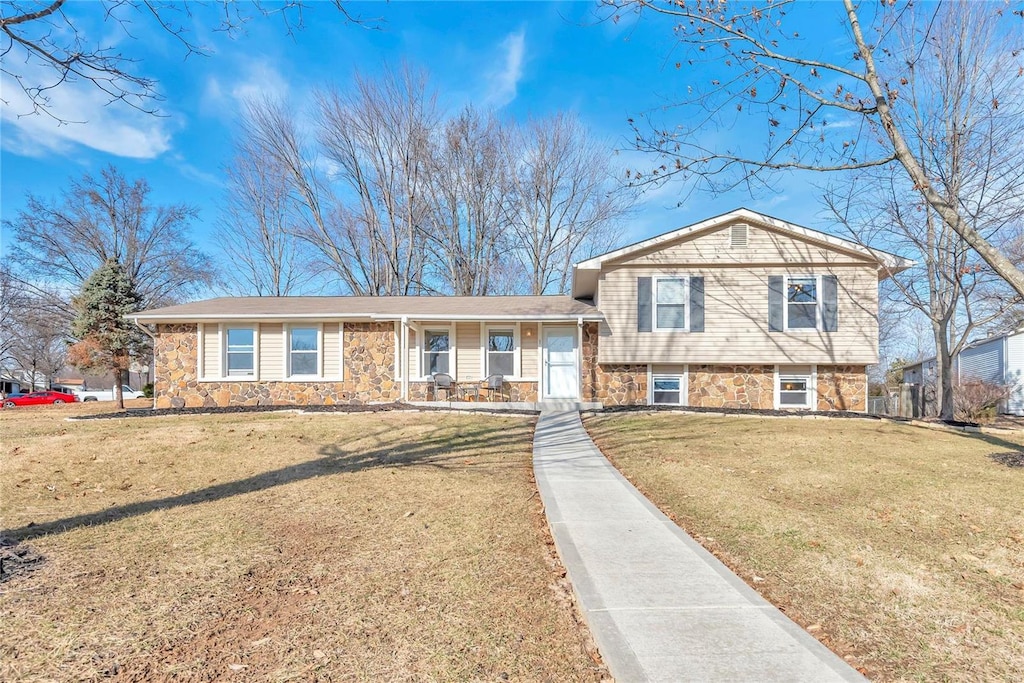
<point x="738" y="237"/>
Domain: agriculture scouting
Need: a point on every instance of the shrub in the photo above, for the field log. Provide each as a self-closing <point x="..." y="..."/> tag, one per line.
<point x="147" y="390"/>
<point x="975" y="400"/>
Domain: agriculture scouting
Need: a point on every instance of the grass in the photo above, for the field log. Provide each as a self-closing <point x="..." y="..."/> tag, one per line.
<point x="901" y="548"/>
<point x="389" y="546"/>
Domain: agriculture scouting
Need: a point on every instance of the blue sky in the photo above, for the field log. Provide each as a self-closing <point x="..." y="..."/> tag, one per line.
<point x="520" y="59"/>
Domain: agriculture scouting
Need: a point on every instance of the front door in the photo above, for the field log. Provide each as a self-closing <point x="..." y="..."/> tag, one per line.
<point x="560" y="376"/>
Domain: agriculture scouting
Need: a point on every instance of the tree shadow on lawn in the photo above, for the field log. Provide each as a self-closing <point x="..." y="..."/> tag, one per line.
<point x="1012" y="457"/>
<point x="443" y="448"/>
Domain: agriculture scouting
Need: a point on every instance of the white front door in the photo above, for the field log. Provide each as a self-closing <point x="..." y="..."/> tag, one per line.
<point x="560" y="376"/>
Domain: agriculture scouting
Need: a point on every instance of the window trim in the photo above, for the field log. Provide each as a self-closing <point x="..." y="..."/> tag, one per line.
<point x="684" y="385"/>
<point x="819" y="307"/>
<point x="422" y="344"/>
<point x="485" y="340"/>
<point x="655" y="280"/>
<point x="222" y="333"/>
<point x="811" y="377"/>
<point x="319" y="327"/>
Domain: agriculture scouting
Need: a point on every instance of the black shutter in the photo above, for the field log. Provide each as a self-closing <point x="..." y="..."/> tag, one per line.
<point x="830" y="303"/>
<point x="644" y="311"/>
<point x="776" y="299"/>
<point x="696" y="304"/>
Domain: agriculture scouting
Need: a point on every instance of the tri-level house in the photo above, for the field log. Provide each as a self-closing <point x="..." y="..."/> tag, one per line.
<point x="741" y="310"/>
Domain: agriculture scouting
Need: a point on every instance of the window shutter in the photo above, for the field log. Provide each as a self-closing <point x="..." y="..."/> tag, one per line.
<point x="644" y="313"/>
<point x="696" y="304"/>
<point x="776" y="299"/>
<point x="830" y="303"/>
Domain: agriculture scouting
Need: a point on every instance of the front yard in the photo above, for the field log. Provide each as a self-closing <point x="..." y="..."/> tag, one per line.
<point x="389" y="546"/>
<point x="898" y="546"/>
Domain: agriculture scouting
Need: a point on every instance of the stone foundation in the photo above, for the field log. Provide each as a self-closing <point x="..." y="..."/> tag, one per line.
<point x="732" y="386"/>
<point x="842" y="387"/>
<point x="612" y="385"/>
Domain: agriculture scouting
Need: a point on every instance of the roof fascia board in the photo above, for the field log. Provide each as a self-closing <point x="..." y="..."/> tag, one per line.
<point x="890" y="261"/>
<point x="569" y="317"/>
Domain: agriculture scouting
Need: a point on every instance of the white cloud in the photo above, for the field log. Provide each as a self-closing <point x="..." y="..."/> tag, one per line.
<point x="81" y="116"/>
<point x="504" y="82"/>
<point x="225" y="95"/>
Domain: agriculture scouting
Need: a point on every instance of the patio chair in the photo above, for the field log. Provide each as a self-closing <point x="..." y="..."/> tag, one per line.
<point x="442" y="381"/>
<point x="496" y="384"/>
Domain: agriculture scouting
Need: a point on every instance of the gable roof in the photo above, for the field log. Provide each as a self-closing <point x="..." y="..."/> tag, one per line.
<point x="585" y="272"/>
<point x="375" y="308"/>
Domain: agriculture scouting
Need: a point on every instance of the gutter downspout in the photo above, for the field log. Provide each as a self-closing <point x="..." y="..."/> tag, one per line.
<point x="579" y="358"/>
<point x="403" y="362"/>
<point x="153" y="362"/>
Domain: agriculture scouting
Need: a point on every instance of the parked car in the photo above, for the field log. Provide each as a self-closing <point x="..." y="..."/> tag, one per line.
<point x="108" y="394"/>
<point x="38" y="398"/>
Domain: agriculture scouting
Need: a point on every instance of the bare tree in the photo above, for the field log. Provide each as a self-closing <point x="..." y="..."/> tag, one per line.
<point x="35" y="337"/>
<point x="378" y="136"/>
<point x="467" y="189"/>
<point x="852" y="113"/>
<point x="563" y="204"/>
<point x="950" y="285"/>
<point x="105" y="218"/>
<point x="42" y="46"/>
<point x="255" y="231"/>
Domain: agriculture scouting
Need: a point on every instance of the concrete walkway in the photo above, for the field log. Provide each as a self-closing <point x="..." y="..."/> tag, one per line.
<point x="661" y="608"/>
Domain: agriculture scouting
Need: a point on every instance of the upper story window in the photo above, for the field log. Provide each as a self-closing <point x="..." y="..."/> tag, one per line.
<point x="436" y="351"/>
<point x="239" y="351"/>
<point x="801" y="303"/>
<point x="670" y="296"/>
<point x="501" y="347"/>
<point x="304" y="351"/>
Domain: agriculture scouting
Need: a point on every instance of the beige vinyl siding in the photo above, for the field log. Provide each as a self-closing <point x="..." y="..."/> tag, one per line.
<point x="330" y="352"/>
<point x="467" y="340"/>
<point x="211" y="350"/>
<point x="271" y="352"/>
<point x="764" y="246"/>
<point x="736" y="320"/>
<point x="530" y="359"/>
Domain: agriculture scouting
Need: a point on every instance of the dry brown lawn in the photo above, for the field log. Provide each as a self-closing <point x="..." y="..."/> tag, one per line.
<point x="899" y="547"/>
<point x="273" y="547"/>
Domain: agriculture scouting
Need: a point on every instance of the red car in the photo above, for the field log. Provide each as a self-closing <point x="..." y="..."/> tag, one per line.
<point x="38" y="398"/>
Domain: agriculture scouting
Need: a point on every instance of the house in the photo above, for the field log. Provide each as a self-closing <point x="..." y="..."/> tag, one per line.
<point x="741" y="310"/>
<point x="997" y="359"/>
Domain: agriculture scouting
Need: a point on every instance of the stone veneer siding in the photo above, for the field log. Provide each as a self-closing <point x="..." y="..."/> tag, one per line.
<point x="611" y="385"/>
<point x="842" y="387"/>
<point x="732" y="386"/>
<point x="369" y="371"/>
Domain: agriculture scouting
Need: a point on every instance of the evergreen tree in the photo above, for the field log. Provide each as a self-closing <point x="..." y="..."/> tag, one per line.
<point x="107" y="340"/>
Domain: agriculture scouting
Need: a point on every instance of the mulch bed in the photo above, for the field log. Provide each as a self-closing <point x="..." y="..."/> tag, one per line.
<point x="1009" y="458"/>
<point x="17" y="559"/>
<point x="744" y="411"/>
<point x="355" y="408"/>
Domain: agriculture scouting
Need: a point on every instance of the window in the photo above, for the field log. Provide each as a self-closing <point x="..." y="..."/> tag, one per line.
<point x="668" y="389"/>
<point x="794" y="391"/>
<point x="801" y="303"/>
<point x="501" y="347"/>
<point x="670" y="303"/>
<point x="435" y="352"/>
<point x="240" y="352"/>
<point x="303" y="351"/>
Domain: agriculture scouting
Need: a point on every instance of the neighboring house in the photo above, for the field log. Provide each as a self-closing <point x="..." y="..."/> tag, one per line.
<point x="998" y="359"/>
<point x="742" y="310"/>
